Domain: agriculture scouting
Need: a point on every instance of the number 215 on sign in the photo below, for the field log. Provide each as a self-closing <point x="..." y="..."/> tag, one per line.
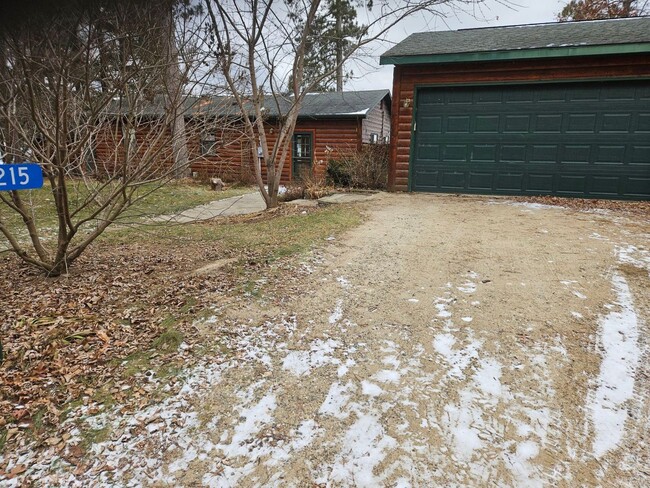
<point x="24" y="176"/>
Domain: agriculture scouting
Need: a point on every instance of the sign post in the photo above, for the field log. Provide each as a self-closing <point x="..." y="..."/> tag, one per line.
<point x="21" y="176"/>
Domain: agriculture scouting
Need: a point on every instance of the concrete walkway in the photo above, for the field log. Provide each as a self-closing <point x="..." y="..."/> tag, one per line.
<point x="348" y="197"/>
<point x="248" y="204"/>
<point x="241" y="205"/>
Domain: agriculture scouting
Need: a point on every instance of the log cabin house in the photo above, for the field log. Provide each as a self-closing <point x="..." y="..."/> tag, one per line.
<point x="329" y="125"/>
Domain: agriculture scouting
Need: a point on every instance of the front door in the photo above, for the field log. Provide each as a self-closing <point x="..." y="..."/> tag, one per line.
<point x="302" y="153"/>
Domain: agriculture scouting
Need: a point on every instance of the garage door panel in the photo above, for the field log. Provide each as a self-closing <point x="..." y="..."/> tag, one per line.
<point x="509" y="181"/>
<point x="427" y="181"/>
<point x="551" y="95"/>
<point x="546" y="153"/>
<point x="642" y="124"/>
<point x="516" y="124"/>
<point x="480" y="180"/>
<point x="617" y="94"/>
<point x="571" y="184"/>
<point x="577" y="139"/>
<point x="548" y="123"/>
<point x="618" y="123"/>
<point x="519" y="95"/>
<point x="428" y="152"/>
<point x="453" y="152"/>
<point x="540" y="183"/>
<point x="582" y="123"/>
<point x="462" y="97"/>
<point x="458" y="124"/>
<point x="640" y="156"/>
<point x="614" y="155"/>
<point x="593" y="95"/>
<point x="486" y="124"/>
<point x="513" y="153"/>
<point x="576" y="154"/>
<point x="486" y="153"/>
<point x="488" y="96"/>
<point x="431" y="124"/>
<point x="638" y="186"/>
<point x="452" y="180"/>
<point x="605" y="185"/>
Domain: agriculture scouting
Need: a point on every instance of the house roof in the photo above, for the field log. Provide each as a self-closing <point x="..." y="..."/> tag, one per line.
<point x="339" y="104"/>
<point x="613" y="36"/>
<point x="315" y="105"/>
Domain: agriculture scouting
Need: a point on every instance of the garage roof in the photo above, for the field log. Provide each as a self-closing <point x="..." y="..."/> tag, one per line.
<point x="559" y="39"/>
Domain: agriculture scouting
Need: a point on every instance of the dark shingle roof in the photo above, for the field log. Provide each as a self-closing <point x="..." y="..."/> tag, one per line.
<point x="341" y="103"/>
<point x="332" y="104"/>
<point x="315" y="105"/>
<point x="523" y="37"/>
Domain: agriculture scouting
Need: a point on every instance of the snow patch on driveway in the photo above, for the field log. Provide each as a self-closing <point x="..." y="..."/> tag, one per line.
<point x="320" y="353"/>
<point x="337" y="313"/>
<point x="365" y="445"/>
<point x="634" y="255"/>
<point x="458" y="359"/>
<point x="619" y="336"/>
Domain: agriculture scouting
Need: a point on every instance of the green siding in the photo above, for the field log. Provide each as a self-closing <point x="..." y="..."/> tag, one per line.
<point x="567" y="139"/>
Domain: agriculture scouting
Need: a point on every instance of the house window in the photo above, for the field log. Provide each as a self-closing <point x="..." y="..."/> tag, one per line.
<point x="386" y="139"/>
<point x="208" y="144"/>
<point x="374" y="137"/>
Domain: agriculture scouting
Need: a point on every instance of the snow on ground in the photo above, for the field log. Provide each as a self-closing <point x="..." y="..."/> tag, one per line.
<point x="451" y="410"/>
<point x="635" y="256"/>
<point x="529" y="206"/>
<point x="319" y="354"/>
<point x="337" y="313"/>
<point x="619" y="339"/>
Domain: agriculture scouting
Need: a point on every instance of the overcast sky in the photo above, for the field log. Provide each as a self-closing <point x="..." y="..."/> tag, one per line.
<point x="370" y="76"/>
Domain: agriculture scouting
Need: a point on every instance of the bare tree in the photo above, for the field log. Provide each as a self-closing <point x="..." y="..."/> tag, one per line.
<point x="602" y="9"/>
<point x="261" y="45"/>
<point x="87" y="95"/>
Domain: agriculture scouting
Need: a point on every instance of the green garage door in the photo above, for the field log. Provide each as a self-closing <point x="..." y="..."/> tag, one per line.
<point x="566" y="139"/>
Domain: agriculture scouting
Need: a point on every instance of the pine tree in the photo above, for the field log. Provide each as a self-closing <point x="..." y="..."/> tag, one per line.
<point x="330" y="43"/>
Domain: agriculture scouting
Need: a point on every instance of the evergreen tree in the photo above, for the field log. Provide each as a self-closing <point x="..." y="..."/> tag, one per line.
<point x="329" y="43"/>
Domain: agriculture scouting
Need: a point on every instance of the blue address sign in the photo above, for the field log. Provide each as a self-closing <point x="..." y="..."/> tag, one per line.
<point x="23" y="176"/>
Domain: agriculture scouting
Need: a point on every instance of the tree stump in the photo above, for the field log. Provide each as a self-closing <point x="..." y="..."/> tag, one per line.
<point x="216" y="184"/>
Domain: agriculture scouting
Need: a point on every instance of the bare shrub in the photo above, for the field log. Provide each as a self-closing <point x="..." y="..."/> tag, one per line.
<point x="366" y="168"/>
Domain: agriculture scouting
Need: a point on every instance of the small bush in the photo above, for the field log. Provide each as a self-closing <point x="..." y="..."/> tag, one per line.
<point x="309" y="184"/>
<point x="337" y="173"/>
<point x="367" y="168"/>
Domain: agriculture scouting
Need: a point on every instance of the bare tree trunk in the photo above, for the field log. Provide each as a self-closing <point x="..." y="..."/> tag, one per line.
<point x="174" y="85"/>
<point x="179" y="147"/>
<point x="339" y="49"/>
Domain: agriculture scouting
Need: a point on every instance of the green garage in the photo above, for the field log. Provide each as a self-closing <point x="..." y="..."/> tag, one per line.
<point x="566" y="139"/>
<point x="558" y="109"/>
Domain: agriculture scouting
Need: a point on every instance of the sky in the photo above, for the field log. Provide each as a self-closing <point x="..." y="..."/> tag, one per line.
<point x="368" y="75"/>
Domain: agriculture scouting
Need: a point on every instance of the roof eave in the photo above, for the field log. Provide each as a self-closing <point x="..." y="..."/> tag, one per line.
<point x="332" y="116"/>
<point x="535" y="53"/>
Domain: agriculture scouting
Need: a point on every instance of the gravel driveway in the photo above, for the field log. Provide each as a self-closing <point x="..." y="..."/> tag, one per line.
<point x="448" y="341"/>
